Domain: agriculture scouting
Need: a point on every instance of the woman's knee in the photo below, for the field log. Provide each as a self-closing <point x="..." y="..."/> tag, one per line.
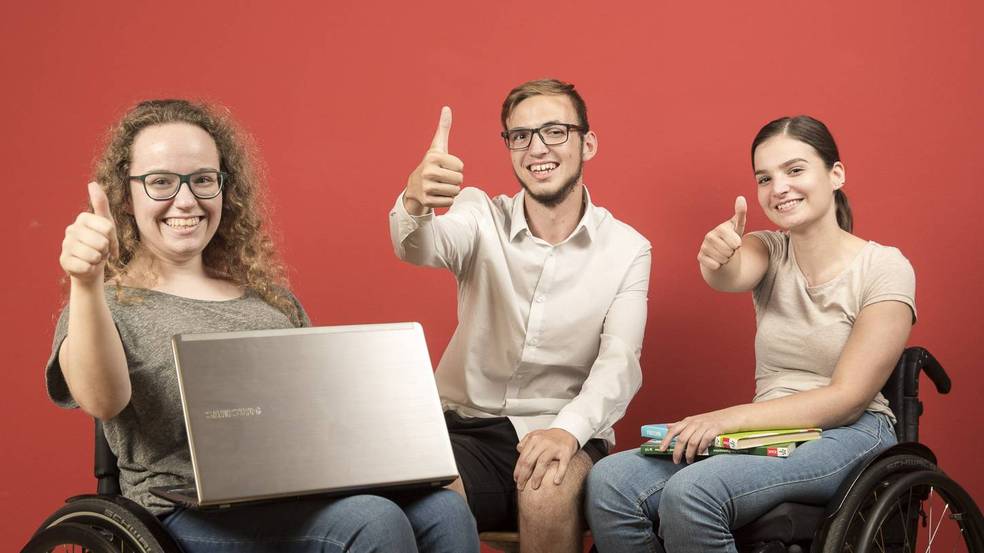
<point x="444" y="507"/>
<point x="371" y="520"/>
<point x="605" y="481"/>
<point x="690" y="492"/>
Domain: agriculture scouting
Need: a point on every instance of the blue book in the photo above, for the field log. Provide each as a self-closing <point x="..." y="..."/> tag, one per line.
<point x="654" y="431"/>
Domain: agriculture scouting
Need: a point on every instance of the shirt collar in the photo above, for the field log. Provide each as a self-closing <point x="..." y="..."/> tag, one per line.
<point x="588" y="222"/>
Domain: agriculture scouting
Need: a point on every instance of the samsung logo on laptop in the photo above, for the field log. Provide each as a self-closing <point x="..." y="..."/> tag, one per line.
<point x="233" y="413"/>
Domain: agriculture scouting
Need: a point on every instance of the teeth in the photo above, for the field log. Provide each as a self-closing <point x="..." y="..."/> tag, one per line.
<point x="787" y="205"/>
<point x="185" y="222"/>
<point x="543" y="167"/>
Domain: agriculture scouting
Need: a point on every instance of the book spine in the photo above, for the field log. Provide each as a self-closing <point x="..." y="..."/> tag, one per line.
<point x="654" y="431"/>
<point x="764" y="451"/>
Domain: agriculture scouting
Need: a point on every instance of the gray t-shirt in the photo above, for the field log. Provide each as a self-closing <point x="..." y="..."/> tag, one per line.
<point x="148" y="436"/>
<point x="802" y="329"/>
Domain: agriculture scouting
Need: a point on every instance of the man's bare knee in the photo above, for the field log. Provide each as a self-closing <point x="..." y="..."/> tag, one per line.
<point x="550" y="499"/>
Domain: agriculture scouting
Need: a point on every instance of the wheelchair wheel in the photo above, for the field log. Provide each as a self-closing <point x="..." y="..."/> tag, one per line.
<point x="122" y="524"/>
<point x="833" y="534"/>
<point x="920" y="510"/>
<point x="70" y="537"/>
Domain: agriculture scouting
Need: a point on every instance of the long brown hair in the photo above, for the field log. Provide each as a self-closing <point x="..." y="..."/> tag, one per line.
<point x="241" y="250"/>
<point x="813" y="132"/>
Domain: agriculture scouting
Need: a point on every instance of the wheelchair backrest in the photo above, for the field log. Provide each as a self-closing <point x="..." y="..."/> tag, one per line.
<point x="902" y="390"/>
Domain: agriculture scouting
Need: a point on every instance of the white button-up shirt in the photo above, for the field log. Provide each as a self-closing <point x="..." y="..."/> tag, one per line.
<point x="548" y="335"/>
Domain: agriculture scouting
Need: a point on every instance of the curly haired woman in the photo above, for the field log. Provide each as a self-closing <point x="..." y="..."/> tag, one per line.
<point x="154" y="258"/>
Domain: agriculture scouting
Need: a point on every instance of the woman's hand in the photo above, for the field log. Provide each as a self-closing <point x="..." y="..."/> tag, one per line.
<point x="696" y="433"/>
<point x="89" y="241"/>
<point x="721" y="243"/>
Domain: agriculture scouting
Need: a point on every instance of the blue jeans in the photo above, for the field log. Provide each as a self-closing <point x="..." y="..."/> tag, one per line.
<point x="430" y="522"/>
<point x="631" y="498"/>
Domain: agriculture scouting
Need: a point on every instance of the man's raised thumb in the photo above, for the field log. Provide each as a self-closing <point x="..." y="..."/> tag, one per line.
<point x="741" y="209"/>
<point x="440" y="142"/>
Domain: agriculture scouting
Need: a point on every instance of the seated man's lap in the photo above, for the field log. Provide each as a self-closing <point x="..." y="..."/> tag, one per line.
<point x="486" y="455"/>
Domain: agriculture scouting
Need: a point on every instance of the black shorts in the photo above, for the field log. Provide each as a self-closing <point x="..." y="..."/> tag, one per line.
<point x="485" y="451"/>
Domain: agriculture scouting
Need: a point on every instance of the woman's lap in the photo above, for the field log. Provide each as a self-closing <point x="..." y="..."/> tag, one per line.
<point x="737" y="488"/>
<point x="352" y="524"/>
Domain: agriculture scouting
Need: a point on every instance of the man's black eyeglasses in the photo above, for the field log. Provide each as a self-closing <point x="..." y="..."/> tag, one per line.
<point x="551" y="135"/>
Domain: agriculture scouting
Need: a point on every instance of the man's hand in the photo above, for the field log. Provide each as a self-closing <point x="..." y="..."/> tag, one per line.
<point x="723" y="240"/>
<point x="437" y="180"/>
<point x="538" y="450"/>
<point x="90" y="241"/>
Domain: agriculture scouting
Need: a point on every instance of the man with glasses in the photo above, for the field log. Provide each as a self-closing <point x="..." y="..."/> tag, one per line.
<point x="551" y="313"/>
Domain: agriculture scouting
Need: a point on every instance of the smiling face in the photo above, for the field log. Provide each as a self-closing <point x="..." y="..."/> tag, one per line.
<point x="175" y="230"/>
<point x="795" y="187"/>
<point x="549" y="173"/>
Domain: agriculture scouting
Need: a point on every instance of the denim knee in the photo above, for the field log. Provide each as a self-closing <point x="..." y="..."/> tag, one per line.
<point x="381" y="524"/>
<point x="692" y="497"/>
<point x="442" y="522"/>
<point x="601" y="488"/>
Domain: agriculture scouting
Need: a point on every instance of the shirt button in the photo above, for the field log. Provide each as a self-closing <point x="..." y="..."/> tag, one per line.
<point x="540" y="299"/>
<point x="532" y="341"/>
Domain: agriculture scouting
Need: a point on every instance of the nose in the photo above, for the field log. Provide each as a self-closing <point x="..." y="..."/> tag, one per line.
<point x="780" y="186"/>
<point x="537" y="145"/>
<point x="184" y="197"/>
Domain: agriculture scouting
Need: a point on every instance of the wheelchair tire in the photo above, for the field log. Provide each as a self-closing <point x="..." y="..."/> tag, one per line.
<point x="888" y="515"/>
<point x="74" y="535"/>
<point x="904" y="502"/>
<point x="833" y="534"/>
<point x="124" y="524"/>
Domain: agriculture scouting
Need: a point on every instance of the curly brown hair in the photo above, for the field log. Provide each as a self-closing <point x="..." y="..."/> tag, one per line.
<point x="241" y="249"/>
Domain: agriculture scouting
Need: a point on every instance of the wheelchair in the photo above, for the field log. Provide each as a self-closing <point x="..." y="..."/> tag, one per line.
<point x="901" y="501"/>
<point x="104" y="522"/>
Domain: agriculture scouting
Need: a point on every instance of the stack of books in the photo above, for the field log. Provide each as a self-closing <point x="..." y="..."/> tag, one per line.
<point x="770" y="443"/>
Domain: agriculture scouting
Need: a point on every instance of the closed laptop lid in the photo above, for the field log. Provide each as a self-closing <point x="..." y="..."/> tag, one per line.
<point x="326" y="409"/>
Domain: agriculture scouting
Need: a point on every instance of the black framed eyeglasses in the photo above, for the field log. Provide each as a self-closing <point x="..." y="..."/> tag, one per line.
<point x="161" y="185"/>
<point x="551" y="135"/>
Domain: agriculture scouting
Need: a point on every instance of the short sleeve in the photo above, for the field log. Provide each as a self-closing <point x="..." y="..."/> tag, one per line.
<point x="776" y="242"/>
<point x="890" y="278"/>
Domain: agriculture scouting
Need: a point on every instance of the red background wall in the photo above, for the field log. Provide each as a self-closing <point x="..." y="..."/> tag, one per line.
<point x="343" y="99"/>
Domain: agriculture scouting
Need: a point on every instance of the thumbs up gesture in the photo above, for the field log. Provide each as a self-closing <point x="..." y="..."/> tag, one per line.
<point x="437" y="180"/>
<point x="90" y="240"/>
<point x="723" y="240"/>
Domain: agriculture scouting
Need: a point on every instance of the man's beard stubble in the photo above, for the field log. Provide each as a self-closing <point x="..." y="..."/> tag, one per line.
<point x="555" y="198"/>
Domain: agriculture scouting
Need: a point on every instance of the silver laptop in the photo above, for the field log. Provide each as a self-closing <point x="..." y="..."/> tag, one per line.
<point x="331" y="410"/>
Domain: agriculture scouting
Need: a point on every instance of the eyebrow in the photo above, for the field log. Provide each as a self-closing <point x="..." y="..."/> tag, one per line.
<point x="199" y="170"/>
<point x="551" y="122"/>
<point x="786" y="164"/>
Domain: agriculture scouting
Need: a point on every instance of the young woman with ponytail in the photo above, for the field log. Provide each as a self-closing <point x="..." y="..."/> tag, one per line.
<point x="833" y="314"/>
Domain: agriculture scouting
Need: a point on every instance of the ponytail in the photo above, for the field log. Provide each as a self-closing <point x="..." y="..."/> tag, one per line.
<point x="844" y="218"/>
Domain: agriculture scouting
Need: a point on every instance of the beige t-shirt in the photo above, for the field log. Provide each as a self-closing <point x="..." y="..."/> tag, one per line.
<point x="802" y="329"/>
